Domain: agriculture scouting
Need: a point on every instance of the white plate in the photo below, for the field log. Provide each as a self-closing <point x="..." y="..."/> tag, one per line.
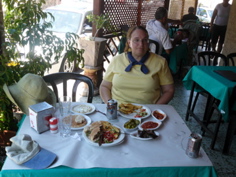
<point x="135" y="136"/>
<point x="87" y="119"/>
<point x="116" y="142"/>
<point x="160" y="111"/>
<point x="77" y="108"/>
<point x="157" y="121"/>
<point x="132" y="115"/>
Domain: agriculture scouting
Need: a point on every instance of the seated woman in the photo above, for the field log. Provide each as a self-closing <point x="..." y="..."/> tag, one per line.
<point x="137" y="75"/>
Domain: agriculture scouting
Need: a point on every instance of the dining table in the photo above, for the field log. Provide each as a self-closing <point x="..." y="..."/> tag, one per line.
<point x="76" y="156"/>
<point x="206" y="78"/>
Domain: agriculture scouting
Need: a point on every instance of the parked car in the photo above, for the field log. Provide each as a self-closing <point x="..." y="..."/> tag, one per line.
<point x="69" y="18"/>
<point x="204" y="14"/>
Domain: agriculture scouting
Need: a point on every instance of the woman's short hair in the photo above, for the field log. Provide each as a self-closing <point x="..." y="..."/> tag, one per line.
<point x="161" y="12"/>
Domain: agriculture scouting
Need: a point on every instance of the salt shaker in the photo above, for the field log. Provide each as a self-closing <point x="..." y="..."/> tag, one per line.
<point x="53" y="122"/>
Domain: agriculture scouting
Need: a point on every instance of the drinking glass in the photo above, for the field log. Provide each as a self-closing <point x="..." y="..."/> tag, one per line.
<point x="65" y="119"/>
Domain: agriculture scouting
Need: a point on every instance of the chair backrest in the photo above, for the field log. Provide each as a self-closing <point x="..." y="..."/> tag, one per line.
<point x="210" y="58"/>
<point x="57" y="78"/>
<point x="231" y="57"/>
<point x="205" y="37"/>
<point x="156" y="46"/>
<point x="173" y="29"/>
<point x="195" y="31"/>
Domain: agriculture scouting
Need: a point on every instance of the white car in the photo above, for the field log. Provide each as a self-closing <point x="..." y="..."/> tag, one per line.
<point x="69" y="18"/>
<point x="204" y="14"/>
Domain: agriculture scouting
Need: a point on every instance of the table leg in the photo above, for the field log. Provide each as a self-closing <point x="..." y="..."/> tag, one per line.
<point x="190" y="102"/>
<point x="230" y="133"/>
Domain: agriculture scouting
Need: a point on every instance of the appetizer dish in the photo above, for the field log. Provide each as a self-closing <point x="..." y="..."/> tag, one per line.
<point x="150" y="125"/>
<point x="79" y="121"/>
<point x="159" y="114"/>
<point x="145" y="134"/>
<point x="102" y="132"/>
<point x="131" y="125"/>
<point x="131" y="111"/>
<point x="84" y="108"/>
<point x="128" y="108"/>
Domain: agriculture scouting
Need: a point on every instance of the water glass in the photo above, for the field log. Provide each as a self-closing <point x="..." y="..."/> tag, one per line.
<point x="65" y="118"/>
<point x="65" y="126"/>
<point x="65" y="105"/>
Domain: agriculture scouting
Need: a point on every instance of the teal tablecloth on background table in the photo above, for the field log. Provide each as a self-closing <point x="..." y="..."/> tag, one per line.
<point x="178" y="57"/>
<point x="218" y="86"/>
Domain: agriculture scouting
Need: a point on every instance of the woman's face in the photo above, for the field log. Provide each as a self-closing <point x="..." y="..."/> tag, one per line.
<point x="138" y="43"/>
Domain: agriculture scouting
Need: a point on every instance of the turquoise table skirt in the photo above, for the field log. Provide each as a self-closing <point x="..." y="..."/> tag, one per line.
<point x="178" y="57"/>
<point x="218" y="86"/>
<point x="114" y="172"/>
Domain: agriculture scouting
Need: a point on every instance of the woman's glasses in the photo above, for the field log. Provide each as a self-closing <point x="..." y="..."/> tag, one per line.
<point x="136" y="41"/>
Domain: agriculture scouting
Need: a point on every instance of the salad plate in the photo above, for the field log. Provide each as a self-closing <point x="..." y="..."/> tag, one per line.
<point x="84" y="108"/>
<point x="141" y="113"/>
<point x="114" y="143"/>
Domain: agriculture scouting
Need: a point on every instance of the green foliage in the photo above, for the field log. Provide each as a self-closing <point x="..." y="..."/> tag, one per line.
<point x="101" y="21"/>
<point x="27" y="37"/>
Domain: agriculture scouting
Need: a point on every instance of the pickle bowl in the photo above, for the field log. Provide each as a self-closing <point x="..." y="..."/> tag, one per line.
<point x="131" y="125"/>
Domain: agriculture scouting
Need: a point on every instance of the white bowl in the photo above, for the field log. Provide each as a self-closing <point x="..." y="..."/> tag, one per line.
<point x="131" y="129"/>
<point x="156" y="122"/>
<point x="162" y="115"/>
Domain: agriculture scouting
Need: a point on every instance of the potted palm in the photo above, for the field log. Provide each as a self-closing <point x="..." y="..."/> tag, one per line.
<point x="94" y="46"/>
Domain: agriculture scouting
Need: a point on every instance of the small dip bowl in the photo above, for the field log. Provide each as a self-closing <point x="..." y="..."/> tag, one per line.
<point x="131" y="125"/>
<point x="158" y="114"/>
<point x="150" y="125"/>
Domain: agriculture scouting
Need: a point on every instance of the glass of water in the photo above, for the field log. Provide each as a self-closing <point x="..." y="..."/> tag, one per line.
<point x="65" y="120"/>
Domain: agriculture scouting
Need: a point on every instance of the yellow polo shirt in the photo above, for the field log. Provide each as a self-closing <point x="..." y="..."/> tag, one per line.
<point x="135" y="86"/>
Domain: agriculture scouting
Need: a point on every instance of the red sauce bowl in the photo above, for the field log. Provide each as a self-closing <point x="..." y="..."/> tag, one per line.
<point x="150" y="125"/>
<point x="159" y="114"/>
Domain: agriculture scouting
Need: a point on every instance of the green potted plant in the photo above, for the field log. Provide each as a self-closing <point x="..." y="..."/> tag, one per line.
<point x="26" y="28"/>
<point x="94" y="46"/>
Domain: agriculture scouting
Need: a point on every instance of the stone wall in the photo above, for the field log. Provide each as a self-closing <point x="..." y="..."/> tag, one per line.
<point x="230" y="39"/>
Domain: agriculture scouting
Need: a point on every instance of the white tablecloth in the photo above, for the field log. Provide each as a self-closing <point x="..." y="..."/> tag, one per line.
<point x="168" y="150"/>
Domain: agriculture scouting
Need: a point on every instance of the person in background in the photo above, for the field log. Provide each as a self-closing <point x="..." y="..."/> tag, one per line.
<point x="157" y="32"/>
<point x="137" y="75"/>
<point x="218" y="25"/>
<point x="190" y="15"/>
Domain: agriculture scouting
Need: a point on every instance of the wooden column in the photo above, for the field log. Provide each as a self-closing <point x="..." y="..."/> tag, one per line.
<point x="98" y="7"/>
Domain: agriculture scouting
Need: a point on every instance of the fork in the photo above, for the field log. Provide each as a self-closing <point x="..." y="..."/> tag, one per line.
<point x="101" y="112"/>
